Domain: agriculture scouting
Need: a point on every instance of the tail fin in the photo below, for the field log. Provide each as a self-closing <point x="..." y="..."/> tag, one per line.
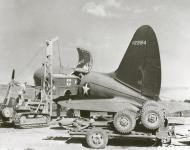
<point x="140" y="67"/>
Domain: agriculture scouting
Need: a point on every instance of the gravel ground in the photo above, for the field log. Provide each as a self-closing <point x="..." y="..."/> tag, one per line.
<point x="55" y="138"/>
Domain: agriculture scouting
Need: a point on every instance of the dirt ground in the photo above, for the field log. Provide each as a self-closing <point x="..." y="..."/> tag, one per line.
<point x="55" y="138"/>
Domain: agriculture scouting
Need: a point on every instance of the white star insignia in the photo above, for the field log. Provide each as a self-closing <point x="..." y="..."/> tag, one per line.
<point x="86" y="89"/>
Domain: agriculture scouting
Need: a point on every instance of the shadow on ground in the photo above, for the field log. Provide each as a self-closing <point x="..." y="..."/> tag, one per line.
<point x="112" y="142"/>
<point x="58" y="128"/>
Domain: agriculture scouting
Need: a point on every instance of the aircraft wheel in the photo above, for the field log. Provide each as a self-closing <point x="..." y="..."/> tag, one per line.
<point x="124" y="121"/>
<point x="97" y="138"/>
<point x="152" y="117"/>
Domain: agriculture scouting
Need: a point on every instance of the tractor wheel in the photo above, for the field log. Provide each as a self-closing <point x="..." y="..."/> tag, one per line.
<point x="124" y="121"/>
<point x="152" y="117"/>
<point x="7" y="112"/>
<point x="97" y="138"/>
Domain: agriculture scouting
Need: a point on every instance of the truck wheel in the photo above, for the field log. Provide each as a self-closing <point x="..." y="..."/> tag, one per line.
<point x="152" y="117"/>
<point x="97" y="138"/>
<point x="124" y="121"/>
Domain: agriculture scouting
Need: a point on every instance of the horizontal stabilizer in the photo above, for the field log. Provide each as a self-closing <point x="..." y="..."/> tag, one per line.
<point x="174" y="107"/>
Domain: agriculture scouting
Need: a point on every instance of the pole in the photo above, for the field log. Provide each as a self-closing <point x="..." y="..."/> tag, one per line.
<point x="49" y="70"/>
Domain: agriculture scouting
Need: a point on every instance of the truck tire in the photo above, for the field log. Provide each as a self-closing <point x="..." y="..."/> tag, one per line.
<point x="124" y="121"/>
<point x="97" y="138"/>
<point x="152" y="117"/>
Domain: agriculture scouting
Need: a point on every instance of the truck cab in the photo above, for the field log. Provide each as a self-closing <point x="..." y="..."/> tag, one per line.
<point x="65" y="85"/>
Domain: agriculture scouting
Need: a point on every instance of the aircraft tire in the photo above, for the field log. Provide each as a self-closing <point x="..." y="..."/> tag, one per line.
<point x="152" y="117"/>
<point x="97" y="138"/>
<point x="124" y="121"/>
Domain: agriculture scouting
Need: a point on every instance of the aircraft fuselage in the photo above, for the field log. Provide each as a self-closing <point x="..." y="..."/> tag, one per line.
<point x="104" y="86"/>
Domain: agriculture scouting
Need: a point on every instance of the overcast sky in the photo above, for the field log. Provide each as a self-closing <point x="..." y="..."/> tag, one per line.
<point x="104" y="27"/>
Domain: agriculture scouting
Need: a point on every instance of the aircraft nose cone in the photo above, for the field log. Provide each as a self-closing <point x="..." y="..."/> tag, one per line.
<point x="38" y="76"/>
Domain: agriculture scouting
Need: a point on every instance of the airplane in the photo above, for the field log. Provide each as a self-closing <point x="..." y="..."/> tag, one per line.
<point x="131" y="92"/>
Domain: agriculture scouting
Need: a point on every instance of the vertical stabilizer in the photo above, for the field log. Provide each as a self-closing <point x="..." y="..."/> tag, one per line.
<point x="140" y="67"/>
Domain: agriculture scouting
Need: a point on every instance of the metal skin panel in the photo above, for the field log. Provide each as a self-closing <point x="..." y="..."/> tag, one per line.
<point x="104" y="86"/>
<point x="104" y="94"/>
<point x="140" y="67"/>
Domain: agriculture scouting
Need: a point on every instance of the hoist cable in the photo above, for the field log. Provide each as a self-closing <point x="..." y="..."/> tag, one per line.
<point x="29" y="62"/>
